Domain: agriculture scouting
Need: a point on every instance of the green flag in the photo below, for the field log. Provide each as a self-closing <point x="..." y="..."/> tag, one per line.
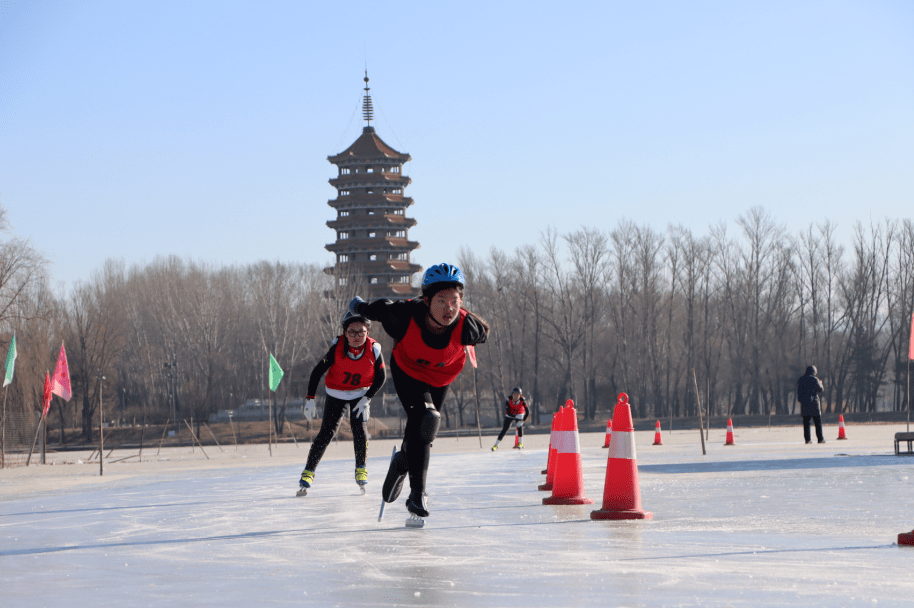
<point x="276" y="373"/>
<point x="10" y="362"/>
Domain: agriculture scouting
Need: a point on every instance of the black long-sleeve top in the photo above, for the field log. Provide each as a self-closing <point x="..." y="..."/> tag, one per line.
<point x="395" y="317"/>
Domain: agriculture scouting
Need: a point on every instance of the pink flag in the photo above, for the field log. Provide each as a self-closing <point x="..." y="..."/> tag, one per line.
<point x="60" y="383"/>
<point x="471" y="351"/>
<point x="911" y="347"/>
<point x="46" y="398"/>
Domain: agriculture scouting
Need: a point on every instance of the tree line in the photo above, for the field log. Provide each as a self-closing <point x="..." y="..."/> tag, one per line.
<point x="583" y="315"/>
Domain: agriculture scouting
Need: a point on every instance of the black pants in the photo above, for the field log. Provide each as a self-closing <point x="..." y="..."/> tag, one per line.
<point x="507" y="424"/>
<point x="413" y="395"/>
<point x="818" y="421"/>
<point x="333" y="415"/>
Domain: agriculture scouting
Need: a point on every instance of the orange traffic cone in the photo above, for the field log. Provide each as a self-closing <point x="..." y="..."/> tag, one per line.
<point x="553" y="445"/>
<point x="658" y="440"/>
<point x="621" y="494"/>
<point x="906" y="538"/>
<point x="609" y="431"/>
<point x="841" y="434"/>
<point x="730" y="432"/>
<point x="516" y="439"/>
<point x="568" y="481"/>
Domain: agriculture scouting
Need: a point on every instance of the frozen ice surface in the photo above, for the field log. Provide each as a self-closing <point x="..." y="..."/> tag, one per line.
<point x="768" y="522"/>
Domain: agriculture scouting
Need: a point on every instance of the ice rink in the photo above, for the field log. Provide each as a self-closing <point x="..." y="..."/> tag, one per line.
<point x="767" y="522"/>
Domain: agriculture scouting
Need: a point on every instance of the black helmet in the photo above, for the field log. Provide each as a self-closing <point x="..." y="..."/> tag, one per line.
<point x="517" y="390"/>
<point x="349" y="318"/>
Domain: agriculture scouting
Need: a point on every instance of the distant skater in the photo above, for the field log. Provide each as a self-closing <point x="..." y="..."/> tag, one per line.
<point x="808" y="389"/>
<point x="430" y="335"/>
<point x="516" y="411"/>
<point x="355" y="373"/>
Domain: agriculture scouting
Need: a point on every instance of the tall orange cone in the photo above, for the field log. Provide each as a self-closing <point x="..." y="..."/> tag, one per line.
<point x="730" y="432"/>
<point x="841" y="434"/>
<point x="609" y="431"/>
<point x="516" y="438"/>
<point x="658" y="440"/>
<point x="621" y="494"/>
<point x="553" y="451"/>
<point x="568" y="481"/>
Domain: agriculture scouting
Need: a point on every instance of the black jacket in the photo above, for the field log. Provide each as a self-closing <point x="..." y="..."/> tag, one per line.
<point x="808" y="389"/>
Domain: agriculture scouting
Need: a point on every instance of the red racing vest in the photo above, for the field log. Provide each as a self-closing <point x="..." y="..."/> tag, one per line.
<point x="350" y="374"/>
<point x="517" y="408"/>
<point x="437" y="367"/>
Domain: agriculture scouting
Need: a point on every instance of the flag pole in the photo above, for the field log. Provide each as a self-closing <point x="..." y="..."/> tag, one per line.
<point x="3" y="431"/>
<point x="32" y="449"/>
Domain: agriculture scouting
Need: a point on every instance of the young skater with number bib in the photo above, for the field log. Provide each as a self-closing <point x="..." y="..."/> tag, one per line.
<point x="355" y="373"/>
<point x="516" y="411"/>
<point x="430" y="335"/>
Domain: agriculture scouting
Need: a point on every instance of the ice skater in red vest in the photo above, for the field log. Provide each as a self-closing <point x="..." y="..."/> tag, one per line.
<point x="430" y="335"/>
<point x="516" y="411"/>
<point x="355" y="372"/>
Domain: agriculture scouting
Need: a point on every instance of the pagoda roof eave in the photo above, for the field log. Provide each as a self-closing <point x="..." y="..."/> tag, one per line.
<point x="369" y="146"/>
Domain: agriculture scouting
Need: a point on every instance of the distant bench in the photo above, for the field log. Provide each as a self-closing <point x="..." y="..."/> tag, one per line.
<point x="908" y="437"/>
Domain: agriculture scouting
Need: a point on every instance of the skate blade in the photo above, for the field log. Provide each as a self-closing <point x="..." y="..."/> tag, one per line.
<point x="302" y="492"/>
<point x="415" y="521"/>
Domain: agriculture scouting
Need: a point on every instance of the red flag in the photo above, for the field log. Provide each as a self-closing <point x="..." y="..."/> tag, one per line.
<point x="60" y="383"/>
<point x="46" y="398"/>
<point x="471" y="351"/>
<point x="911" y="347"/>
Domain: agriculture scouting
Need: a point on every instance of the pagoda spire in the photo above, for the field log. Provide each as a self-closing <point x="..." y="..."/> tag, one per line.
<point x="367" y="109"/>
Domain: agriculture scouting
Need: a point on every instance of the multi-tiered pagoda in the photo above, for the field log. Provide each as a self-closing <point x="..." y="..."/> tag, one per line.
<point x="372" y="246"/>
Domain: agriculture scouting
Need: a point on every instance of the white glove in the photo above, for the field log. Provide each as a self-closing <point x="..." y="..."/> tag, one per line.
<point x="354" y="305"/>
<point x="309" y="409"/>
<point x="362" y="408"/>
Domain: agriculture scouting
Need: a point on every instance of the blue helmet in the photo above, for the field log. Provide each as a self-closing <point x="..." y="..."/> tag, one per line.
<point x="440" y="276"/>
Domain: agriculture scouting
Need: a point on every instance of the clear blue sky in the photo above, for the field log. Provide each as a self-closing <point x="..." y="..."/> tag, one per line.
<point x="135" y="129"/>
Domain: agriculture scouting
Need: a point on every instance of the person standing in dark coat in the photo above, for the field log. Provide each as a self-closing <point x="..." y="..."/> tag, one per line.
<point x="808" y="389"/>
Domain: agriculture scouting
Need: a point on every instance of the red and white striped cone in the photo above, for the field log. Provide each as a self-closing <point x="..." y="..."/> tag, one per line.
<point x="609" y="431"/>
<point x="550" y="465"/>
<point x="658" y="440"/>
<point x="621" y="494"/>
<point x="841" y="434"/>
<point x="568" y="481"/>
<point x="730" y="432"/>
<point x="516" y="438"/>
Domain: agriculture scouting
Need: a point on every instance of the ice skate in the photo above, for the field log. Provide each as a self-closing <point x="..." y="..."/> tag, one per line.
<point x="361" y="478"/>
<point x="396" y="475"/>
<point x="519" y="446"/>
<point x="494" y="447"/>
<point x="307" y="478"/>
<point x="417" y="505"/>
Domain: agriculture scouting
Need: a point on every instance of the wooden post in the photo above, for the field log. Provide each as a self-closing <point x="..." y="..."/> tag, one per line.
<point x="165" y="430"/>
<point x="101" y="433"/>
<point x="234" y="438"/>
<point x="700" y="422"/>
<point x="213" y="436"/>
<point x="192" y="434"/>
<point x="478" y="423"/>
